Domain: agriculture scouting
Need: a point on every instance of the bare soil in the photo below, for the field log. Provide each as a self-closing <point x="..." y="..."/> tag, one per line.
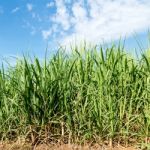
<point x="16" y="146"/>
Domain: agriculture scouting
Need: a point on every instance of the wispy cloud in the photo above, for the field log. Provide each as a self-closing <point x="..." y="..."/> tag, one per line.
<point x="36" y="16"/>
<point x="51" y="32"/>
<point x="15" y="10"/>
<point x="50" y="4"/>
<point x="29" y="7"/>
<point x="28" y="25"/>
<point x="100" y="20"/>
<point x="46" y="33"/>
<point x="62" y="15"/>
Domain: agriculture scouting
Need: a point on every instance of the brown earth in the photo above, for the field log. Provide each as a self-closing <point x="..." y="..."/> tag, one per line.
<point x="15" y="146"/>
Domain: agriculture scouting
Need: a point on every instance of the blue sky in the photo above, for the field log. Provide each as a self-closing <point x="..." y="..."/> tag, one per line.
<point x="32" y="25"/>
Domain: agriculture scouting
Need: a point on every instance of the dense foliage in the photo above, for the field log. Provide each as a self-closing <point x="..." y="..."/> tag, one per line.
<point x="97" y="94"/>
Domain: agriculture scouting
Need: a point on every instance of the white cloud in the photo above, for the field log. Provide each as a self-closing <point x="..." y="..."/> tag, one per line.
<point x="29" y="7"/>
<point x="15" y="10"/>
<point x="100" y="20"/>
<point x="51" y="32"/>
<point x="62" y="15"/>
<point x="79" y="12"/>
<point x="46" y="33"/>
<point x="50" y="4"/>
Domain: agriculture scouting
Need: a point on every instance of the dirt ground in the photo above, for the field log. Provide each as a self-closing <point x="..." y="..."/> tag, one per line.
<point x="16" y="146"/>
